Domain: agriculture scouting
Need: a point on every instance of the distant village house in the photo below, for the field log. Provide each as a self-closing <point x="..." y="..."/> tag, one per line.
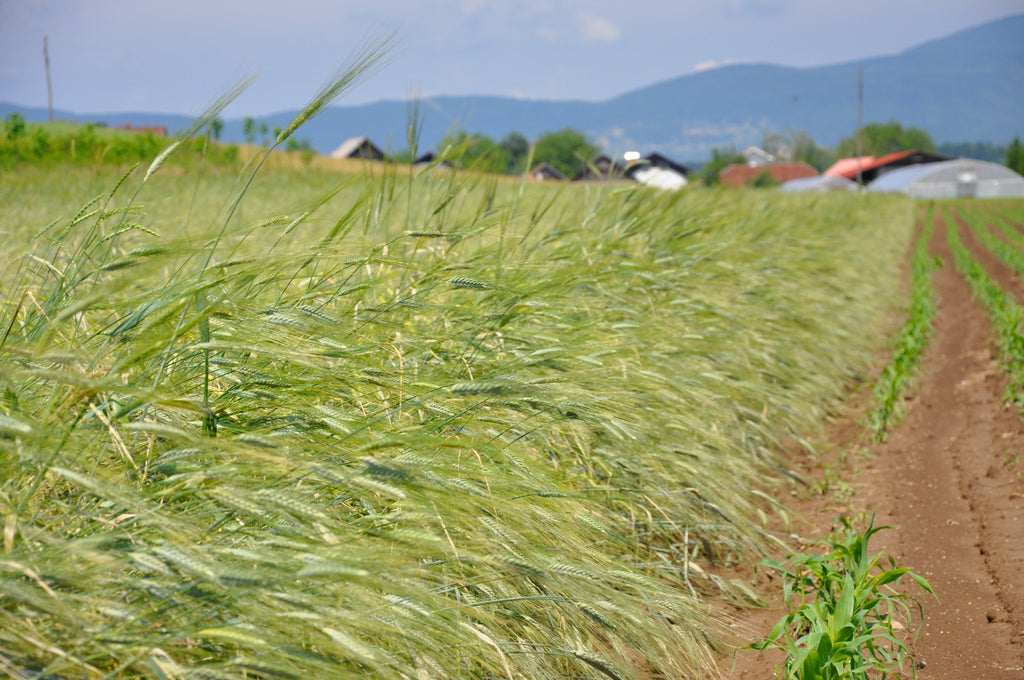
<point x="158" y="130"/>
<point x="600" y="169"/>
<point x="758" y="157"/>
<point x="359" y="147"/>
<point x="658" y="171"/>
<point x="430" y="158"/>
<point x="543" y="171"/>
<point x="737" y="176"/>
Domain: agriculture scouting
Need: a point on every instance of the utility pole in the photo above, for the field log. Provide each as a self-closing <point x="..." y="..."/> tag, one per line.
<point x="860" y="126"/>
<point x="49" y="86"/>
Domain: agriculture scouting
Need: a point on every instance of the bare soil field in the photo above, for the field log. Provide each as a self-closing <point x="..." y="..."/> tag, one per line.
<point x="950" y="480"/>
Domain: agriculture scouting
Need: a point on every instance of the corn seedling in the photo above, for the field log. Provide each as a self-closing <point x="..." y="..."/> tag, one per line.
<point x="845" y="620"/>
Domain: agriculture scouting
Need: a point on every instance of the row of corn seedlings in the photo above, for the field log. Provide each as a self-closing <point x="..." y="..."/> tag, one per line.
<point x="1007" y="316"/>
<point x="1007" y="248"/>
<point x="913" y="338"/>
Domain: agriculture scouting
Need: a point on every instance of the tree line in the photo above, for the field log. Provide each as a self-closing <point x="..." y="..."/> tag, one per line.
<point x="567" y="150"/>
<point x="95" y="143"/>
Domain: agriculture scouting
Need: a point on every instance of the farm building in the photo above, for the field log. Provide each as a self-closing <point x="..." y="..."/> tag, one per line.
<point x="658" y="177"/>
<point x="601" y="168"/>
<point x="359" y="147"/>
<point x="656" y="160"/>
<point x="743" y="175"/>
<point x="429" y="158"/>
<point x="820" y="183"/>
<point x="158" y="130"/>
<point x="847" y="167"/>
<point x="871" y="167"/>
<point x="756" y="156"/>
<point x="959" y="178"/>
<point x="543" y="171"/>
<point x="657" y="171"/>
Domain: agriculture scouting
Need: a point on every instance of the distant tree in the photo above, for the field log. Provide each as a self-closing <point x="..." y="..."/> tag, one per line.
<point x="720" y="158"/>
<point x="403" y="156"/>
<point x="764" y="180"/>
<point x="475" y="151"/>
<point x="249" y="130"/>
<point x="983" y="151"/>
<point x="807" y="150"/>
<point x="918" y="139"/>
<point x="518" y="149"/>
<point x="264" y="130"/>
<point x="15" y="126"/>
<point x="798" y="146"/>
<point x="882" y="138"/>
<point x="1015" y="156"/>
<point x="276" y="132"/>
<point x="41" y="143"/>
<point x="567" y="150"/>
<point x="778" y="144"/>
<point x="303" y="145"/>
<point x="216" y="127"/>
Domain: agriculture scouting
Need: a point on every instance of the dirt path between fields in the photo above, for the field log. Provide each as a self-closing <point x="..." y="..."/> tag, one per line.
<point x="950" y="478"/>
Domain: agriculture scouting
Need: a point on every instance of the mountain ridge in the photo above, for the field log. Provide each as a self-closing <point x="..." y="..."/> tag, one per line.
<point x="967" y="86"/>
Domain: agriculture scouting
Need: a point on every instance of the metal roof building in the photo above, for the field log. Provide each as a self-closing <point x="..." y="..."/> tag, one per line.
<point x="871" y="168"/>
<point x="819" y="183"/>
<point x="961" y="178"/>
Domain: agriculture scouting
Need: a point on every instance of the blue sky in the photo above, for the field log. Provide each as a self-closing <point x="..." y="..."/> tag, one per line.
<point x="175" y="56"/>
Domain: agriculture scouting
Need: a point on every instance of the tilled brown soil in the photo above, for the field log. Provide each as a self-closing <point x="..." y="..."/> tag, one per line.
<point x="950" y="479"/>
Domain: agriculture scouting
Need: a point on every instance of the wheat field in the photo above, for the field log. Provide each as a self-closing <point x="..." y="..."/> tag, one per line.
<point x="408" y="424"/>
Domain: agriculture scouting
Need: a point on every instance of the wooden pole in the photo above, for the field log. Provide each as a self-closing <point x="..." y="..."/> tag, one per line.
<point x="49" y="85"/>
<point x="860" y="125"/>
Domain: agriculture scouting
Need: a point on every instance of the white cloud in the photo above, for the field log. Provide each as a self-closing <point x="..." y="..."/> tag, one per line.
<point x="471" y="6"/>
<point x="712" y="64"/>
<point x="598" y="29"/>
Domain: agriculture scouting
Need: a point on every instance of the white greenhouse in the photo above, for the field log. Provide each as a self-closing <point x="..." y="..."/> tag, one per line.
<point x="819" y="183"/>
<point x="960" y="178"/>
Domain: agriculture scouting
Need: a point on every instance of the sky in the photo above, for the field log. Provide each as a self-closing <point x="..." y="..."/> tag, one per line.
<point x="177" y="56"/>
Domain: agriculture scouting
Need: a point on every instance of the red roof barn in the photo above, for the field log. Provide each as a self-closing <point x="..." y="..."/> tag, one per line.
<point x="743" y="175"/>
<point x="158" y="130"/>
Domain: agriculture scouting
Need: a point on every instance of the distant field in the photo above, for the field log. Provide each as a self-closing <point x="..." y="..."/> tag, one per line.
<point x="393" y="424"/>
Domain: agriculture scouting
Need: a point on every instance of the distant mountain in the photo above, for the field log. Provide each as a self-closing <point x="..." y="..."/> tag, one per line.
<point x="965" y="87"/>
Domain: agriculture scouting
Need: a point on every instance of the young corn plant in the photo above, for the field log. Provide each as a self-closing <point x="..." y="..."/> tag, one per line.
<point x="911" y="342"/>
<point x="845" y="618"/>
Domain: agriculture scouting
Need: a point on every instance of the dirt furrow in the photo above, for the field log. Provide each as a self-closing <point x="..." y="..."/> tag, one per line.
<point x="950" y="479"/>
<point x="944" y="479"/>
<point x="1003" y="275"/>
